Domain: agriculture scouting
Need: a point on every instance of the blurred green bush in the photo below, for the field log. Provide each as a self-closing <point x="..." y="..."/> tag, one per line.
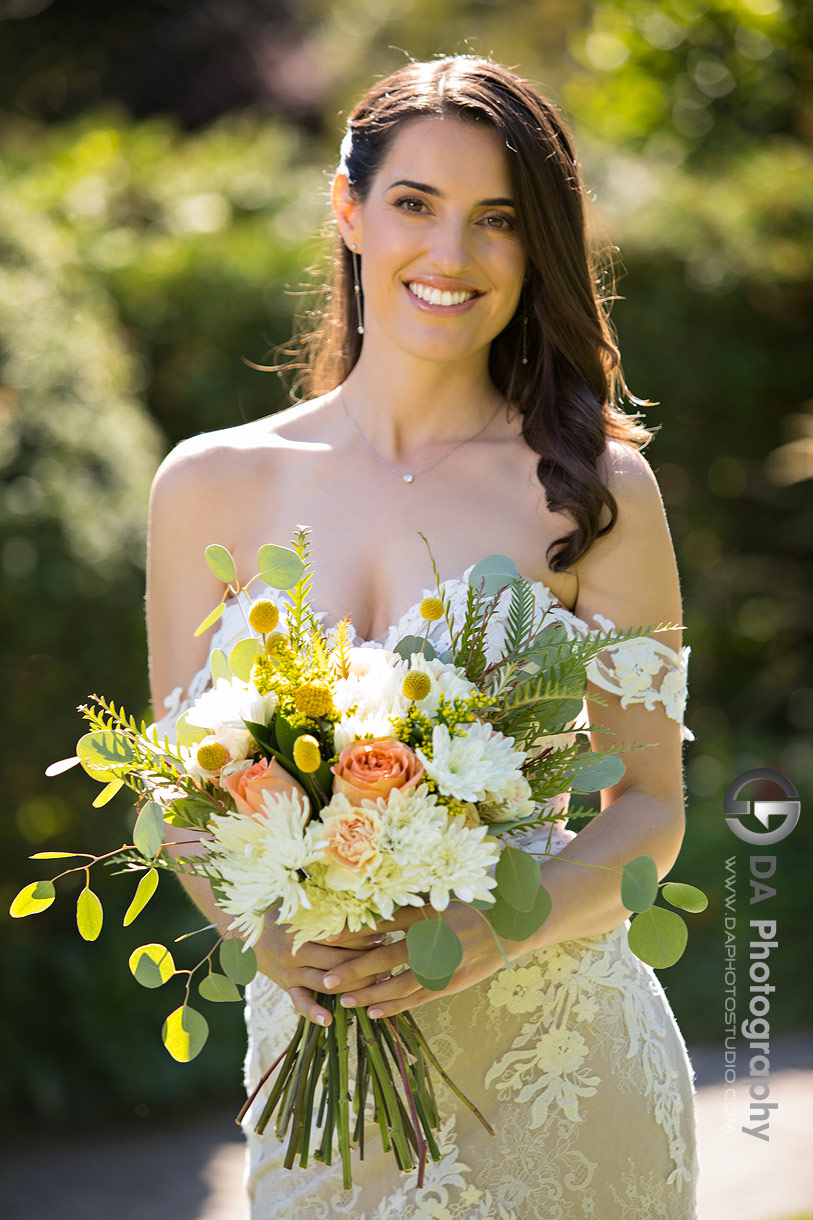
<point x="137" y="267"/>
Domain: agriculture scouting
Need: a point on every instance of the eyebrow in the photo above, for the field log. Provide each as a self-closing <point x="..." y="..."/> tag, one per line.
<point x="499" y="201"/>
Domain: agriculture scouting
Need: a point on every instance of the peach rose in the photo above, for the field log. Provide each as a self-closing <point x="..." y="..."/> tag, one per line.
<point x="247" y="787"/>
<point x="366" y="770"/>
<point x="351" y="838"/>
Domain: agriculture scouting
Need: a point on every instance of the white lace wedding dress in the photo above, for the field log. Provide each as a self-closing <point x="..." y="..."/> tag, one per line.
<point x="572" y="1054"/>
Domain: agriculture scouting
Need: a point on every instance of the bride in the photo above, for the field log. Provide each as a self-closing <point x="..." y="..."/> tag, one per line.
<point x="463" y="382"/>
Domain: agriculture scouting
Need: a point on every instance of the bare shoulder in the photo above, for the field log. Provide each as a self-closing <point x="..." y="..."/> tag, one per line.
<point x="628" y="474"/>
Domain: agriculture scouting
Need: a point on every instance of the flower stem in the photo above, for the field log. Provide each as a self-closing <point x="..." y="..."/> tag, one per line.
<point x="424" y="1045"/>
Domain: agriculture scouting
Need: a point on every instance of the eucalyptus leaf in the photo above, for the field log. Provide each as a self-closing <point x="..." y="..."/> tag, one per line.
<point x="148" y="834"/>
<point x="411" y="644"/>
<point x="220" y="561"/>
<point x="639" y="883"/>
<point x="108" y="792"/>
<point x="56" y="855"/>
<point x="279" y="566"/>
<point x="511" y="924"/>
<point x="605" y="772"/>
<point x="242" y="657"/>
<point x="239" y="965"/>
<point x="144" y="892"/>
<point x="184" y="1033"/>
<point x="189" y="734"/>
<point x="687" y="897"/>
<point x="219" y="665"/>
<point x="435" y="952"/>
<point x="494" y="573"/>
<point x="89" y="914"/>
<point x="102" y="750"/>
<point x="210" y="619"/>
<point x="34" y="898"/>
<point x="517" y="876"/>
<point x="658" y="937"/>
<point x="151" y="965"/>
<point x="218" y="989"/>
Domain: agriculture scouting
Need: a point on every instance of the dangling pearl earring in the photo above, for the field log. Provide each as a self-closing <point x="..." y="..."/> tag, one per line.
<point x="357" y="290"/>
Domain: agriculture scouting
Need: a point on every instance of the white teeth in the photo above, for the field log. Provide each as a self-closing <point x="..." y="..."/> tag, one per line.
<point x="434" y="296"/>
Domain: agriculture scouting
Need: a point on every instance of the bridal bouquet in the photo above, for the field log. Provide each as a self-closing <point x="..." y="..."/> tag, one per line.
<point x="333" y="786"/>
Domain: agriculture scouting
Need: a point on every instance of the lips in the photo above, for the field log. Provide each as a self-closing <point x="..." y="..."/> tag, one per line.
<point x="440" y="296"/>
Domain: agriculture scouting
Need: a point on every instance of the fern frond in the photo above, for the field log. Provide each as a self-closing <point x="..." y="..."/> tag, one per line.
<point x="340" y="653"/>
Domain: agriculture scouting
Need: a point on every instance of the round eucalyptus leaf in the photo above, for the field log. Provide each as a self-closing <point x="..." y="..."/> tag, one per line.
<point x="89" y="914"/>
<point x="639" y="883"/>
<point x="658" y="937"/>
<point x="219" y="665"/>
<point x="494" y="572"/>
<point x="151" y="965"/>
<point x="184" y="1033"/>
<point x="605" y="772"/>
<point x="241" y="658"/>
<point x="220" y="561"/>
<point x="189" y="734"/>
<point x="148" y="834"/>
<point x="34" y="898"/>
<point x="411" y="644"/>
<point x="238" y="964"/>
<point x="518" y="879"/>
<point x="279" y="566"/>
<point x="218" y="989"/>
<point x="435" y="952"/>
<point x="511" y="924"/>
<point x="144" y="892"/>
<point x="103" y="750"/>
<point x="687" y="897"/>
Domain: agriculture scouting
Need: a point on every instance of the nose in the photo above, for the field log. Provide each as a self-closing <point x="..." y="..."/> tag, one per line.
<point x="450" y="252"/>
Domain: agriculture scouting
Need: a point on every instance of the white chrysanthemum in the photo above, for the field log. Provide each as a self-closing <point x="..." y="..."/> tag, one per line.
<point x="258" y="860"/>
<point x="373" y="688"/>
<point x="459" y="865"/>
<point x="515" y="801"/>
<point x="231" y="702"/>
<point x="327" y="912"/>
<point x="474" y="765"/>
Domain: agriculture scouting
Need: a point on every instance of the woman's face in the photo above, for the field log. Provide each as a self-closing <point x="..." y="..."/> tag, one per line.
<point x="442" y="260"/>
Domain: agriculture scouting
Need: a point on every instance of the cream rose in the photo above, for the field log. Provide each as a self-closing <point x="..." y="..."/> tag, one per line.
<point x="247" y="787"/>
<point x="366" y="770"/>
<point x="350" y="838"/>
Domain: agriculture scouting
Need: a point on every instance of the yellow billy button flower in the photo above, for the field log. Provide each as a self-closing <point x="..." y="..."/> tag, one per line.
<point x="417" y="684"/>
<point x="306" y="753"/>
<point x="431" y="608"/>
<point x="263" y="616"/>
<point x="274" y="641"/>
<point x="314" y="699"/>
<point x="212" y="756"/>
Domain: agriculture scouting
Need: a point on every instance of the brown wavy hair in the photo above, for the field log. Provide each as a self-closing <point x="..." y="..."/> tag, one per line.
<point x="570" y="391"/>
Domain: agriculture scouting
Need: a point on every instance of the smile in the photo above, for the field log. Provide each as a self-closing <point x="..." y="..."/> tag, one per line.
<point x="435" y="296"/>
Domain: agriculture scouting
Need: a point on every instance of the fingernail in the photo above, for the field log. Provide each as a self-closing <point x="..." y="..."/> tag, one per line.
<point x="347" y="1001"/>
<point x="322" y="1019"/>
<point x="375" y="1012"/>
<point x="331" y="980"/>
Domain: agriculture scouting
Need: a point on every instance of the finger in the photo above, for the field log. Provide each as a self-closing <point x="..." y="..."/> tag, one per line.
<point x="306" y="1004"/>
<point x="322" y="957"/>
<point x="349" y="974"/>
<point x="403" y="919"/>
<point x="379" y="992"/>
<point x="365" y="939"/>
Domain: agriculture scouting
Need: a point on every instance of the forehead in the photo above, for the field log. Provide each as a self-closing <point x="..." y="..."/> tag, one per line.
<point x="454" y="155"/>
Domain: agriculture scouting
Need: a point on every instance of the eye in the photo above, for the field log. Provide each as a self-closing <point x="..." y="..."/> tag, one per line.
<point x="411" y="203"/>
<point x="499" y="221"/>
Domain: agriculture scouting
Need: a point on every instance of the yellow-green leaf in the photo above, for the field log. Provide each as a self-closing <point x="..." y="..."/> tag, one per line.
<point x="144" y="892"/>
<point x="148" y="834"/>
<point x="89" y="914"/>
<point x="36" y="897"/>
<point x="184" y="1034"/>
<point x="220" y="561"/>
<point x="218" y="989"/>
<point x="188" y="734"/>
<point x="104" y="754"/>
<point x="151" y="965"/>
<point x="241" y="658"/>
<point x="108" y="792"/>
<point x="211" y="619"/>
<point x="56" y="855"/>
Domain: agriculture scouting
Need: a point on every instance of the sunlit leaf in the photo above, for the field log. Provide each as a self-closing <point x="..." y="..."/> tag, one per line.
<point x="108" y="792"/>
<point x="151" y="965"/>
<point x="103" y="750"/>
<point x="518" y="878"/>
<point x="279" y="566"/>
<point x="219" y="665"/>
<point x="36" y="897"/>
<point x="493" y="573"/>
<point x="218" y="989"/>
<point x="435" y="952"/>
<point x="184" y="1033"/>
<point x="687" y="897"/>
<point x="221" y="563"/>
<point x="240" y="966"/>
<point x="148" y="834"/>
<point x="188" y="734"/>
<point x="639" y="883"/>
<point x="210" y="619"/>
<point x="658" y="937"/>
<point x="64" y="764"/>
<point x="511" y="924"/>
<point x="144" y="892"/>
<point x="89" y="914"/>
<point x="56" y="855"/>
<point x="241" y="658"/>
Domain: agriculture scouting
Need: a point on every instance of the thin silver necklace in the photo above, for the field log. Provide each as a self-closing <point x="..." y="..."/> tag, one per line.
<point x="410" y="478"/>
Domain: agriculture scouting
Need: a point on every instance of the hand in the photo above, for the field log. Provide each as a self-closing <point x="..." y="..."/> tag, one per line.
<point x="364" y="978"/>
<point x="302" y="973"/>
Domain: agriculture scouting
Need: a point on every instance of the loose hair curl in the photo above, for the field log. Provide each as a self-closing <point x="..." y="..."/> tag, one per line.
<point x="569" y="393"/>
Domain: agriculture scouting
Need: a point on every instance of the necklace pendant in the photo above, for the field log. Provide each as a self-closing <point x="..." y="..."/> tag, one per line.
<point x="408" y="478"/>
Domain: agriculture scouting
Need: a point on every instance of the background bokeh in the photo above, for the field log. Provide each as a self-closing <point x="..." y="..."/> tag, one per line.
<point x="163" y="176"/>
